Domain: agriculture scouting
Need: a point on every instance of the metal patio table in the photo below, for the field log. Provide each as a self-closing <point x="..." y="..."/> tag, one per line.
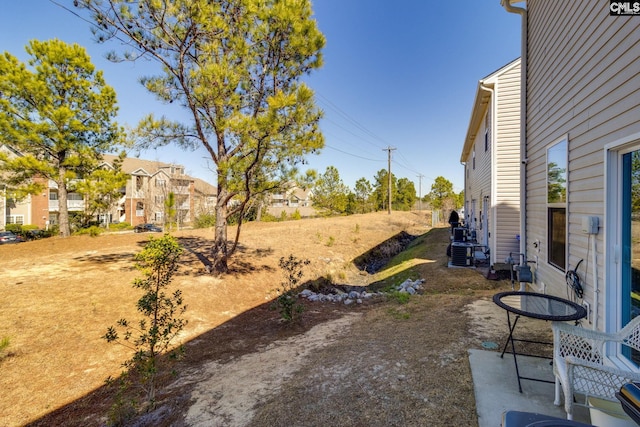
<point x="536" y="306"/>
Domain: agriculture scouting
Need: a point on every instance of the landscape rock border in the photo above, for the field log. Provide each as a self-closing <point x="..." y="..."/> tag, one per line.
<point x="408" y="286"/>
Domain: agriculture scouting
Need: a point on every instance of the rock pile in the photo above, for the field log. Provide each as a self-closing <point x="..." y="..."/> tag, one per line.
<point x="408" y="286"/>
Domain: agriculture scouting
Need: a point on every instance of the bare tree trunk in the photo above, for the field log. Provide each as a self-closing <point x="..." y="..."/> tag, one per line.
<point x="220" y="248"/>
<point x="63" y="209"/>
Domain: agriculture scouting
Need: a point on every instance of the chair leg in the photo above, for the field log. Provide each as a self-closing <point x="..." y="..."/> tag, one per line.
<point x="557" y="399"/>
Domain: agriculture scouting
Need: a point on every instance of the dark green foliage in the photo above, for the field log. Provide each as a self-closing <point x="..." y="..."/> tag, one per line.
<point x="205" y="220"/>
<point x="161" y="323"/>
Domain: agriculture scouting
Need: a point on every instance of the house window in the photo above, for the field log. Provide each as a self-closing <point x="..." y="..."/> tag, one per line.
<point x="557" y="204"/>
<point x="139" y="209"/>
<point x="473" y="155"/>
<point x="486" y="140"/>
<point x="139" y="182"/>
<point x="161" y="183"/>
<point x="15" y="219"/>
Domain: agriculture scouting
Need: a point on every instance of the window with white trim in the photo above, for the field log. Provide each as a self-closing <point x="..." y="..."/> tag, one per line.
<point x="557" y="204"/>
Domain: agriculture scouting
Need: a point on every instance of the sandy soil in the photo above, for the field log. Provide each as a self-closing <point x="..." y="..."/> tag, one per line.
<point x="376" y="364"/>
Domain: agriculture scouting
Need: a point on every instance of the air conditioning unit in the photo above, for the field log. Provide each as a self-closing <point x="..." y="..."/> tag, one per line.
<point x="461" y="254"/>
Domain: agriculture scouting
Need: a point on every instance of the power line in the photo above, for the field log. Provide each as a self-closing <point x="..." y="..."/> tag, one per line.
<point x="351" y="154"/>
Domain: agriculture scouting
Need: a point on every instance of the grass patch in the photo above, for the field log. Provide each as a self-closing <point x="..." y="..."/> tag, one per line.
<point x="398" y="314"/>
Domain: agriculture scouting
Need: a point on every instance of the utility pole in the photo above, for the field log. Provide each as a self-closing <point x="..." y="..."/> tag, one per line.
<point x="420" y="176"/>
<point x="389" y="149"/>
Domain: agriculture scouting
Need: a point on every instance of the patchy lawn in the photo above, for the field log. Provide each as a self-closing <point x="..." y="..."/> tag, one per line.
<point x="378" y="363"/>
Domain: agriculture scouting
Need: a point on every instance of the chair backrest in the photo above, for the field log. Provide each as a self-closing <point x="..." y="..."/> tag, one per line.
<point x="630" y="334"/>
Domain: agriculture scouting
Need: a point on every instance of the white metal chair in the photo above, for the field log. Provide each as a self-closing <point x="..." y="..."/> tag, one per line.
<point x="578" y="362"/>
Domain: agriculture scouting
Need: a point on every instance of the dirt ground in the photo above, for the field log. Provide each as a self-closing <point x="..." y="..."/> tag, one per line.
<point x="379" y="363"/>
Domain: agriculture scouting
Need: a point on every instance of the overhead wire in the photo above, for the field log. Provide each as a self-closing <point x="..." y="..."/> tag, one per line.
<point x="327" y="102"/>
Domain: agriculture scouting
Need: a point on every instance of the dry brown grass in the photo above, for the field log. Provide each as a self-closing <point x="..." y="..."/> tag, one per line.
<point x="392" y="365"/>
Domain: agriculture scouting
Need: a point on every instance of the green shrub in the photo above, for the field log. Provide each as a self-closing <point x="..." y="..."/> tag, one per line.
<point x="267" y="217"/>
<point x="119" y="226"/>
<point x="296" y="215"/>
<point x="15" y="228"/>
<point x="204" y="221"/>
<point x="161" y="324"/>
<point x="92" y="231"/>
<point x="287" y="295"/>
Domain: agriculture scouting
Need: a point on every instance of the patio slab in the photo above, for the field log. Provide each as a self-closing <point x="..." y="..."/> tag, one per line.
<point x="496" y="387"/>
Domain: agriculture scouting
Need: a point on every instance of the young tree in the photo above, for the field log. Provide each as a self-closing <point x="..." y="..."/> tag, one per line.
<point x="363" y="190"/>
<point x="329" y="192"/>
<point x="236" y="67"/>
<point x="161" y="322"/>
<point x="405" y="195"/>
<point x="381" y="189"/>
<point x="102" y="189"/>
<point x="441" y="190"/>
<point x="58" y="114"/>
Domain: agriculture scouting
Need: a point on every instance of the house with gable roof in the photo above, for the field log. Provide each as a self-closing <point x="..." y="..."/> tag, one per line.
<point x="149" y="184"/>
<point x="491" y="159"/>
<point x="143" y="197"/>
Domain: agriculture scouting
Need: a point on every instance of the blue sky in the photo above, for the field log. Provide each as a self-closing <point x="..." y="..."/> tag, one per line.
<point x="398" y="74"/>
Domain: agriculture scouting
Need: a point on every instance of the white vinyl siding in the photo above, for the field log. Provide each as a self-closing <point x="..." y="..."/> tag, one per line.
<point x="506" y="191"/>
<point x="496" y="177"/>
<point x="583" y="81"/>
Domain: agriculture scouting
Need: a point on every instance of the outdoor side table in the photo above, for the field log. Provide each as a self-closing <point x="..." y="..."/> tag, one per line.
<point x="536" y="306"/>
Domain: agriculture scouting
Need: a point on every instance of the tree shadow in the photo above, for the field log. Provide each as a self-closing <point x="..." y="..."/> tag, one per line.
<point x="249" y="332"/>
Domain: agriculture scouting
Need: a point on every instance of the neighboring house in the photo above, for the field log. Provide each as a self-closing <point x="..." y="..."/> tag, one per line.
<point x="142" y="201"/>
<point x="145" y="194"/>
<point x="290" y="200"/>
<point x="37" y="209"/>
<point x="491" y="158"/>
<point x="581" y="204"/>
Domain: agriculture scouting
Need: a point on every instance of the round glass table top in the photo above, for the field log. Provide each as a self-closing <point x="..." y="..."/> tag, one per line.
<point x="540" y="306"/>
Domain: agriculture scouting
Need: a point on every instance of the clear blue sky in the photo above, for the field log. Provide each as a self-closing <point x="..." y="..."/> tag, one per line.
<point x="398" y="74"/>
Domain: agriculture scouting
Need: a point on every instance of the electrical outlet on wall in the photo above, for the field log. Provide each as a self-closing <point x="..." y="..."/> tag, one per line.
<point x="587" y="307"/>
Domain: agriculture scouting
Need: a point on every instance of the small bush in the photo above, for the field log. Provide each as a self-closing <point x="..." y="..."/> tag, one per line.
<point x="287" y="299"/>
<point x="15" y="228"/>
<point x="119" y="226"/>
<point x="204" y="221"/>
<point x="331" y="241"/>
<point x="296" y="215"/>
<point x="92" y="231"/>
<point x="267" y="217"/>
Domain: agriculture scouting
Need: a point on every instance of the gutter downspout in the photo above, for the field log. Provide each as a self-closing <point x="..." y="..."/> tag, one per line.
<point x="523" y="122"/>
<point x="464" y="190"/>
<point x="493" y="109"/>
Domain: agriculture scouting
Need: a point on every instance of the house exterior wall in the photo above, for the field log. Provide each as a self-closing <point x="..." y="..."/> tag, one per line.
<point x="506" y="161"/>
<point x="492" y="185"/>
<point x="583" y="83"/>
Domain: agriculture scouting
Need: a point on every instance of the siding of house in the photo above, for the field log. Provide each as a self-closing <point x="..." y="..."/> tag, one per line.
<point x="506" y="199"/>
<point x="492" y="188"/>
<point x="583" y="82"/>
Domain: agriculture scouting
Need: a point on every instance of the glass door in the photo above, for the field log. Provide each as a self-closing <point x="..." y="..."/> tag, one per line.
<point x="630" y="243"/>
